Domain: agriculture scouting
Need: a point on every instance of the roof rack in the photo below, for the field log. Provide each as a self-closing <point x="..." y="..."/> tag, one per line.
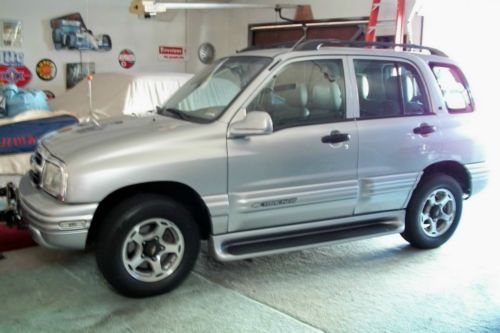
<point x="316" y="44"/>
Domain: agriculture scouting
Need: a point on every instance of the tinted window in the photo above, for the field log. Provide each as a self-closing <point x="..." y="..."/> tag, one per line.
<point x="453" y="87"/>
<point x="306" y="92"/>
<point x="389" y="89"/>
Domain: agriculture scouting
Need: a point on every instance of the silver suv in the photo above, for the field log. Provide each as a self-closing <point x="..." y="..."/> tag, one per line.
<point x="264" y="152"/>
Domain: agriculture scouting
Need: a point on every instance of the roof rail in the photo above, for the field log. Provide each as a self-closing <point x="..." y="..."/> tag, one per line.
<point x="283" y="45"/>
<point x="316" y="44"/>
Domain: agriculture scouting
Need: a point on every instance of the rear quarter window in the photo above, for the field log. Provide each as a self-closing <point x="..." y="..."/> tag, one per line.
<point x="454" y="88"/>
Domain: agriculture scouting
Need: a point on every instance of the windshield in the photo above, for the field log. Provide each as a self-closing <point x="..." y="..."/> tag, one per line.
<point x="207" y="95"/>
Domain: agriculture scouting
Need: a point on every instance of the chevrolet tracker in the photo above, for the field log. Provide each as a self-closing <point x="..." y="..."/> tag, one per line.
<point x="263" y="152"/>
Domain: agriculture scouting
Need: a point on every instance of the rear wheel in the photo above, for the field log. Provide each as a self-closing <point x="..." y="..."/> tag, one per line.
<point x="148" y="245"/>
<point x="434" y="211"/>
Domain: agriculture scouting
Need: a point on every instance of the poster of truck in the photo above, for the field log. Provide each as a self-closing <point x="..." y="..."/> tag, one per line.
<point x="70" y="32"/>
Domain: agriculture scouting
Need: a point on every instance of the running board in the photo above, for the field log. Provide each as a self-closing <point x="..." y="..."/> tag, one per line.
<point x="261" y="242"/>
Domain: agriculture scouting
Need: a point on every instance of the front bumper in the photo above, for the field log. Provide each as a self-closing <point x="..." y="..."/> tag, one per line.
<point x="52" y="223"/>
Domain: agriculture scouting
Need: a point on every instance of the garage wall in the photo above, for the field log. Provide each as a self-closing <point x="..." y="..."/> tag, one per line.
<point x="111" y="17"/>
<point x="227" y="30"/>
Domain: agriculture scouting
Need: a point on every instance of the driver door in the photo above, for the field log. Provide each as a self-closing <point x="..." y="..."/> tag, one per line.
<point x="306" y="170"/>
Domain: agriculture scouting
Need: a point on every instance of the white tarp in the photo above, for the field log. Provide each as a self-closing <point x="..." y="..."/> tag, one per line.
<point x="115" y="94"/>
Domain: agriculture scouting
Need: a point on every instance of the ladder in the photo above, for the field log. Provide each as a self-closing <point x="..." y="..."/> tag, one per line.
<point x="374" y="21"/>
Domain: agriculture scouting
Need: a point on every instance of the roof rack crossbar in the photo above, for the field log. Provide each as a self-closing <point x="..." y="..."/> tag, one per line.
<point x="316" y="44"/>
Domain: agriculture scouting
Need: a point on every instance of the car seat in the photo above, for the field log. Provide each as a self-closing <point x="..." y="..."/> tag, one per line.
<point x="326" y="98"/>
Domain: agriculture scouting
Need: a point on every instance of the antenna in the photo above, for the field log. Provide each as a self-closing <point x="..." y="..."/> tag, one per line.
<point x="279" y="9"/>
<point x="92" y="116"/>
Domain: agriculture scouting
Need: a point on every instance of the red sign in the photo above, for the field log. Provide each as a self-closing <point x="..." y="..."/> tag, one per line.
<point x="171" y="52"/>
<point x="18" y="75"/>
<point x="126" y="58"/>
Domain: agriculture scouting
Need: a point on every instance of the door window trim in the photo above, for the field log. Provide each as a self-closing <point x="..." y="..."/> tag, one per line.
<point x="416" y="69"/>
<point x="349" y="109"/>
<point x="463" y="80"/>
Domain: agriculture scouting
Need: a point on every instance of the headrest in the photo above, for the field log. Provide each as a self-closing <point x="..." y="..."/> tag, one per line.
<point x="294" y="94"/>
<point x="327" y="95"/>
<point x="392" y="88"/>
<point x="363" y="85"/>
<point x="409" y="89"/>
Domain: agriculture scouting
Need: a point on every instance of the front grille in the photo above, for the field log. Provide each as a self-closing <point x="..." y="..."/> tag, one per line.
<point x="37" y="161"/>
<point x="38" y="158"/>
<point x="35" y="177"/>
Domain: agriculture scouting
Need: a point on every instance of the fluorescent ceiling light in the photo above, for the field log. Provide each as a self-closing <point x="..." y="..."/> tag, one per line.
<point x="148" y="7"/>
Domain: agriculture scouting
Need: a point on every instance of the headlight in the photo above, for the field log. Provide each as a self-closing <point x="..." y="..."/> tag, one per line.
<point x="54" y="179"/>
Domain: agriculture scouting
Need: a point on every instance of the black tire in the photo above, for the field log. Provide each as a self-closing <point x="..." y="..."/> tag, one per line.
<point x="118" y="226"/>
<point x="415" y="232"/>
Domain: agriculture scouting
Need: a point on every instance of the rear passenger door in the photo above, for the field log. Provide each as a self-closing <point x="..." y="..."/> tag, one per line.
<point x="399" y="134"/>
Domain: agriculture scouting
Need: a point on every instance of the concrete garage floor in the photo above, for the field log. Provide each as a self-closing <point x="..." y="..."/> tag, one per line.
<point x="378" y="285"/>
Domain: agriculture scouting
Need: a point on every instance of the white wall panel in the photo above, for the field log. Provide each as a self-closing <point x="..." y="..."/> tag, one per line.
<point x="228" y="29"/>
<point x="111" y="17"/>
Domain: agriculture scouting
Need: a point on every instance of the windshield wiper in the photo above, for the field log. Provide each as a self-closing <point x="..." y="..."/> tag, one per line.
<point x="172" y="112"/>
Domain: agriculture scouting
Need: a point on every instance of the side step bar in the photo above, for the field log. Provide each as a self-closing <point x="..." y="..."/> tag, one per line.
<point x="254" y="243"/>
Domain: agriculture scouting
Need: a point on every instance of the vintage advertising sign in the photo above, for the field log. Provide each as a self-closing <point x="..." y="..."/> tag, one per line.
<point x="11" y="33"/>
<point x="18" y="75"/>
<point x="11" y="58"/>
<point x="126" y="58"/>
<point x="171" y="52"/>
<point x="46" y="69"/>
<point x="75" y="72"/>
<point x="70" y="32"/>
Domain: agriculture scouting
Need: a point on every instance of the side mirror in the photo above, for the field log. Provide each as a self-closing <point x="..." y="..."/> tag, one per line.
<point x="255" y="123"/>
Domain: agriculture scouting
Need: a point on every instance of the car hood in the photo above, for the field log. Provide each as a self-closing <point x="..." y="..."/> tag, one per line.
<point x="119" y="135"/>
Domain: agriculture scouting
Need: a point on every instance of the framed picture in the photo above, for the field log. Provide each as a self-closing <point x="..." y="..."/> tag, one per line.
<point x="12" y="33"/>
<point x="75" y="72"/>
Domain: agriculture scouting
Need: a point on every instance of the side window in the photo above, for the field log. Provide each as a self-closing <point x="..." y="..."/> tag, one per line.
<point x="303" y="93"/>
<point x="389" y="89"/>
<point x="414" y="98"/>
<point x="378" y="88"/>
<point x="453" y="87"/>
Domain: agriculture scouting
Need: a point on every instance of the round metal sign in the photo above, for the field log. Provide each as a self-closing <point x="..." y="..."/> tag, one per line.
<point x="46" y="70"/>
<point x="126" y="58"/>
<point x="206" y="53"/>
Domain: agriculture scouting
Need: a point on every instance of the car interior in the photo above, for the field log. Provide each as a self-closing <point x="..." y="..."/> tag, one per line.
<point x="304" y="93"/>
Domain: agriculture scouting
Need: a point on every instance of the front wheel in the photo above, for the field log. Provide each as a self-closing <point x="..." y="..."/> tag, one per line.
<point x="434" y="211"/>
<point x="148" y="245"/>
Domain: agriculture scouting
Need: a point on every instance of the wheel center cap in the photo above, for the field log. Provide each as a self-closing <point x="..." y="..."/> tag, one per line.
<point x="151" y="248"/>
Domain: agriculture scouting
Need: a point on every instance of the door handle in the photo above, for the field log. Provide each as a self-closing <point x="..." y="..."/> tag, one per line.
<point x="424" y="129"/>
<point x="336" y="137"/>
